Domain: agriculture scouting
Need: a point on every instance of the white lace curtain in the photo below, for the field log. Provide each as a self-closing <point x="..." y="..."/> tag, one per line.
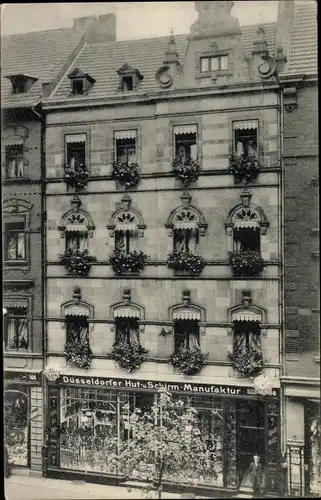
<point x="17" y="330"/>
<point x="77" y="330"/>
<point x="77" y="240"/>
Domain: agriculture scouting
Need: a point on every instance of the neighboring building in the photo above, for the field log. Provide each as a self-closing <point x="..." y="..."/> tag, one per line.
<point x="28" y="61"/>
<point x="156" y="104"/>
<point x="301" y="363"/>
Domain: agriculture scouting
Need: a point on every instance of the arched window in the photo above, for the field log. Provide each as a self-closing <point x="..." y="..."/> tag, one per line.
<point x="16" y="218"/>
<point x="245" y="225"/>
<point x="186" y="224"/>
<point x="76" y="227"/>
<point x="126" y="225"/>
<point x="188" y="320"/>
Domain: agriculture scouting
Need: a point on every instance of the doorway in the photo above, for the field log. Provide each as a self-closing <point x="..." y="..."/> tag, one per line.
<point x="250" y="437"/>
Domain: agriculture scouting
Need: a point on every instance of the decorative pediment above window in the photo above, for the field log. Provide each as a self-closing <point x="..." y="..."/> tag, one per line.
<point x="14" y="136"/>
<point x="188" y="311"/>
<point x="126" y="219"/>
<point x="76" y="307"/>
<point x="81" y="82"/>
<point x="246" y="215"/>
<point x="129" y="78"/>
<point x="76" y="220"/>
<point x="16" y="206"/>
<point x="128" y="309"/>
<point x="246" y="312"/>
<point x="186" y="216"/>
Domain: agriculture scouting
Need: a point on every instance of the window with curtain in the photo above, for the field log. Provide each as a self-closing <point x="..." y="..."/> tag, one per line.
<point x="14" y="161"/>
<point x="246" y="336"/>
<point x="186" y="240"/>
<point x="125" y="241"/>
<point x="245" y="137"/>
<point x="77" y="329"/>
<point x="246" y="239"/>
<point x="125" y="146"/>
<point x="77" y="239"/>
<point x="15" y="240"/>
<point x="186" y="142"/>
<point x="16" y="329"/>
<point x="186" y="335"/>
<point x="127" y="330"/>
<point x="75" y="150"/>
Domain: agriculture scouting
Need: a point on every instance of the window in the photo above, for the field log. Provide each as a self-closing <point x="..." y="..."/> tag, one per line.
<point x="15" y="240"/>
<point x="77" y="239"/>
<point x="75" y="150"/>
<point x="77" y="329"/>
<point x="125" y="149"/>
<point x="186" y="335"/>
<point x="246" y="239"/>
<point x="246" y="336"/>
<point x="19" y="85"/>
<point x="78" y="86"/>
<point x="217" y="63"/>
<point x="127" y="330"/>
<point x="125" y="241"/>
<point x="14" y="161"/>
<point x="245" y="138"/>
<point x="16" y="328"/>
<point x="186" y="240"/>
<point x="186" y="141"/>
<point x="127" y="83"/>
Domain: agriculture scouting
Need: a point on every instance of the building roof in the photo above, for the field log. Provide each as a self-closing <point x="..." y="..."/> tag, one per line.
<point x="102" y="61"/>
<point x="303" y="41"/>
<point x="40" y="55"/>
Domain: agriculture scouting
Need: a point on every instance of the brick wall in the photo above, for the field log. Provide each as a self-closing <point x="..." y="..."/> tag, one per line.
<point x="301" y="235"/>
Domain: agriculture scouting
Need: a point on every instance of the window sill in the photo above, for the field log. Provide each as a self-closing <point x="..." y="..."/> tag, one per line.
<point x="16" y="263"/>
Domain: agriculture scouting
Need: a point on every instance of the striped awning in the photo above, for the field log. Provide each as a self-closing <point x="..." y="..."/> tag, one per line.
<point x="126" y="312"/>
<point x="75" y="138"/>
<point x="125" y="134"/>
<point x="185" y="225"/>
<point x="76" y="228"/>
<point x="186" y="314"/>
<point x="9" y="303"/>
<point x="246" y="223"/>
<point x="14" y="141"/>
<point x="13" y="218"/>
<point x="77" y="310"/>
<point x="245" y="125"/>
<point x="246" y="316"/>
<point x="126" y="226"/>
<point x="185" y="129"/>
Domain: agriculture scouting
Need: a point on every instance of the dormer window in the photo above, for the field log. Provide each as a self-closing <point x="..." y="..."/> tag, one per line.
<point x="214" y="63"/>
<point x="81" y="82"/>
<point x="21" y="83"/>
<point x="129" y="78"/>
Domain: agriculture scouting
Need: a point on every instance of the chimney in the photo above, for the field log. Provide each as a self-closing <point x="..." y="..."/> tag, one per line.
<point x="107" y="28"/>
<point x="79" y="22"/>
<point x="284" y="24"/>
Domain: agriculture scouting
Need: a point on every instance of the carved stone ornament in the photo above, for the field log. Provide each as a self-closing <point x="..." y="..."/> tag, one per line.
<point x="290" y="99"/>
<point x="52" y="372"/>
<point x="263" y="385"/>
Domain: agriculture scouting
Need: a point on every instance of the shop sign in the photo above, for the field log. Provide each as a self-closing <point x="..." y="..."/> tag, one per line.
<point x="23" y="377"/>
<point x="128" y="384"/>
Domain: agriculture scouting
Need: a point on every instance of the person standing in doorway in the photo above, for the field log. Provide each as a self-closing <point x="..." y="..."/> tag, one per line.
<point x="256" y="475"/>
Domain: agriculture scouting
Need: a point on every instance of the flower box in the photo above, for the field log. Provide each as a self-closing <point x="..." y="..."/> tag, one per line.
<point x="77" y="262"/>
<point x="246" y="263"/>
<point x="129" y="357"/>
<point x="187" y="361"/>
<point x="76" y="176"/>
<point x="186" y="169"/>
<point x="130" y="263"/>
<point x="78" y="354"/>
<point x="244" y="167"/>
<point x="248" y="364"/>
<point x="126" y="173"/>
<point x="187" y="263"/>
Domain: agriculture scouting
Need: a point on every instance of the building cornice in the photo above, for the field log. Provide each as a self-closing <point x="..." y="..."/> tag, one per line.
<point x="300" y="380"/>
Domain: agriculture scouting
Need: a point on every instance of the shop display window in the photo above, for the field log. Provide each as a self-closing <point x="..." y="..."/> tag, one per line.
<point x="16" y="424"/>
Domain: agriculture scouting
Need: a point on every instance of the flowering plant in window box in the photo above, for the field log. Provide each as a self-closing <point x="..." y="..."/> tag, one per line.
<point x="127" y="263"/>
<point x="246" y="263"/>
<point x="244" y="167"/>
<point x="247" y="364"/>
<point x="125" y="173"/>
<point x="190" y="262"/>
<point x="77" y="175"/>
<point x="77" y="261"/>
<point x="128" y="356"/>
<point x="186" y="169"/>
<point x="188" y="362"/>
<point x="78" y="354"/>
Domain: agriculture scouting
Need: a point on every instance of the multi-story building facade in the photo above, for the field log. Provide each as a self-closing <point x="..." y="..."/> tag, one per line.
<point x="301" y="361"/>
<point x="29" y="61"/>
<point x="126" y="129"/>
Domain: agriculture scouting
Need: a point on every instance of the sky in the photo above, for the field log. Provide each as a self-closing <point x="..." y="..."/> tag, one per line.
<point x="134" y="19"/>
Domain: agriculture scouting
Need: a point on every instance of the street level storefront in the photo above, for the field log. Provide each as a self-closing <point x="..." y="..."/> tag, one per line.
<point x="22" y="416"/>
<point x="236" y="423"/>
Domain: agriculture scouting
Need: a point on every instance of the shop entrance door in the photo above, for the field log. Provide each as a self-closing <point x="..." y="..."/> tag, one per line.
<point x="250" y="438"/>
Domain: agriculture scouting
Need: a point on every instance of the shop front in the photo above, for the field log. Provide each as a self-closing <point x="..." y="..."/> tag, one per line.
<point x="22" y="410"/>
<point x="87" y="414"/>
